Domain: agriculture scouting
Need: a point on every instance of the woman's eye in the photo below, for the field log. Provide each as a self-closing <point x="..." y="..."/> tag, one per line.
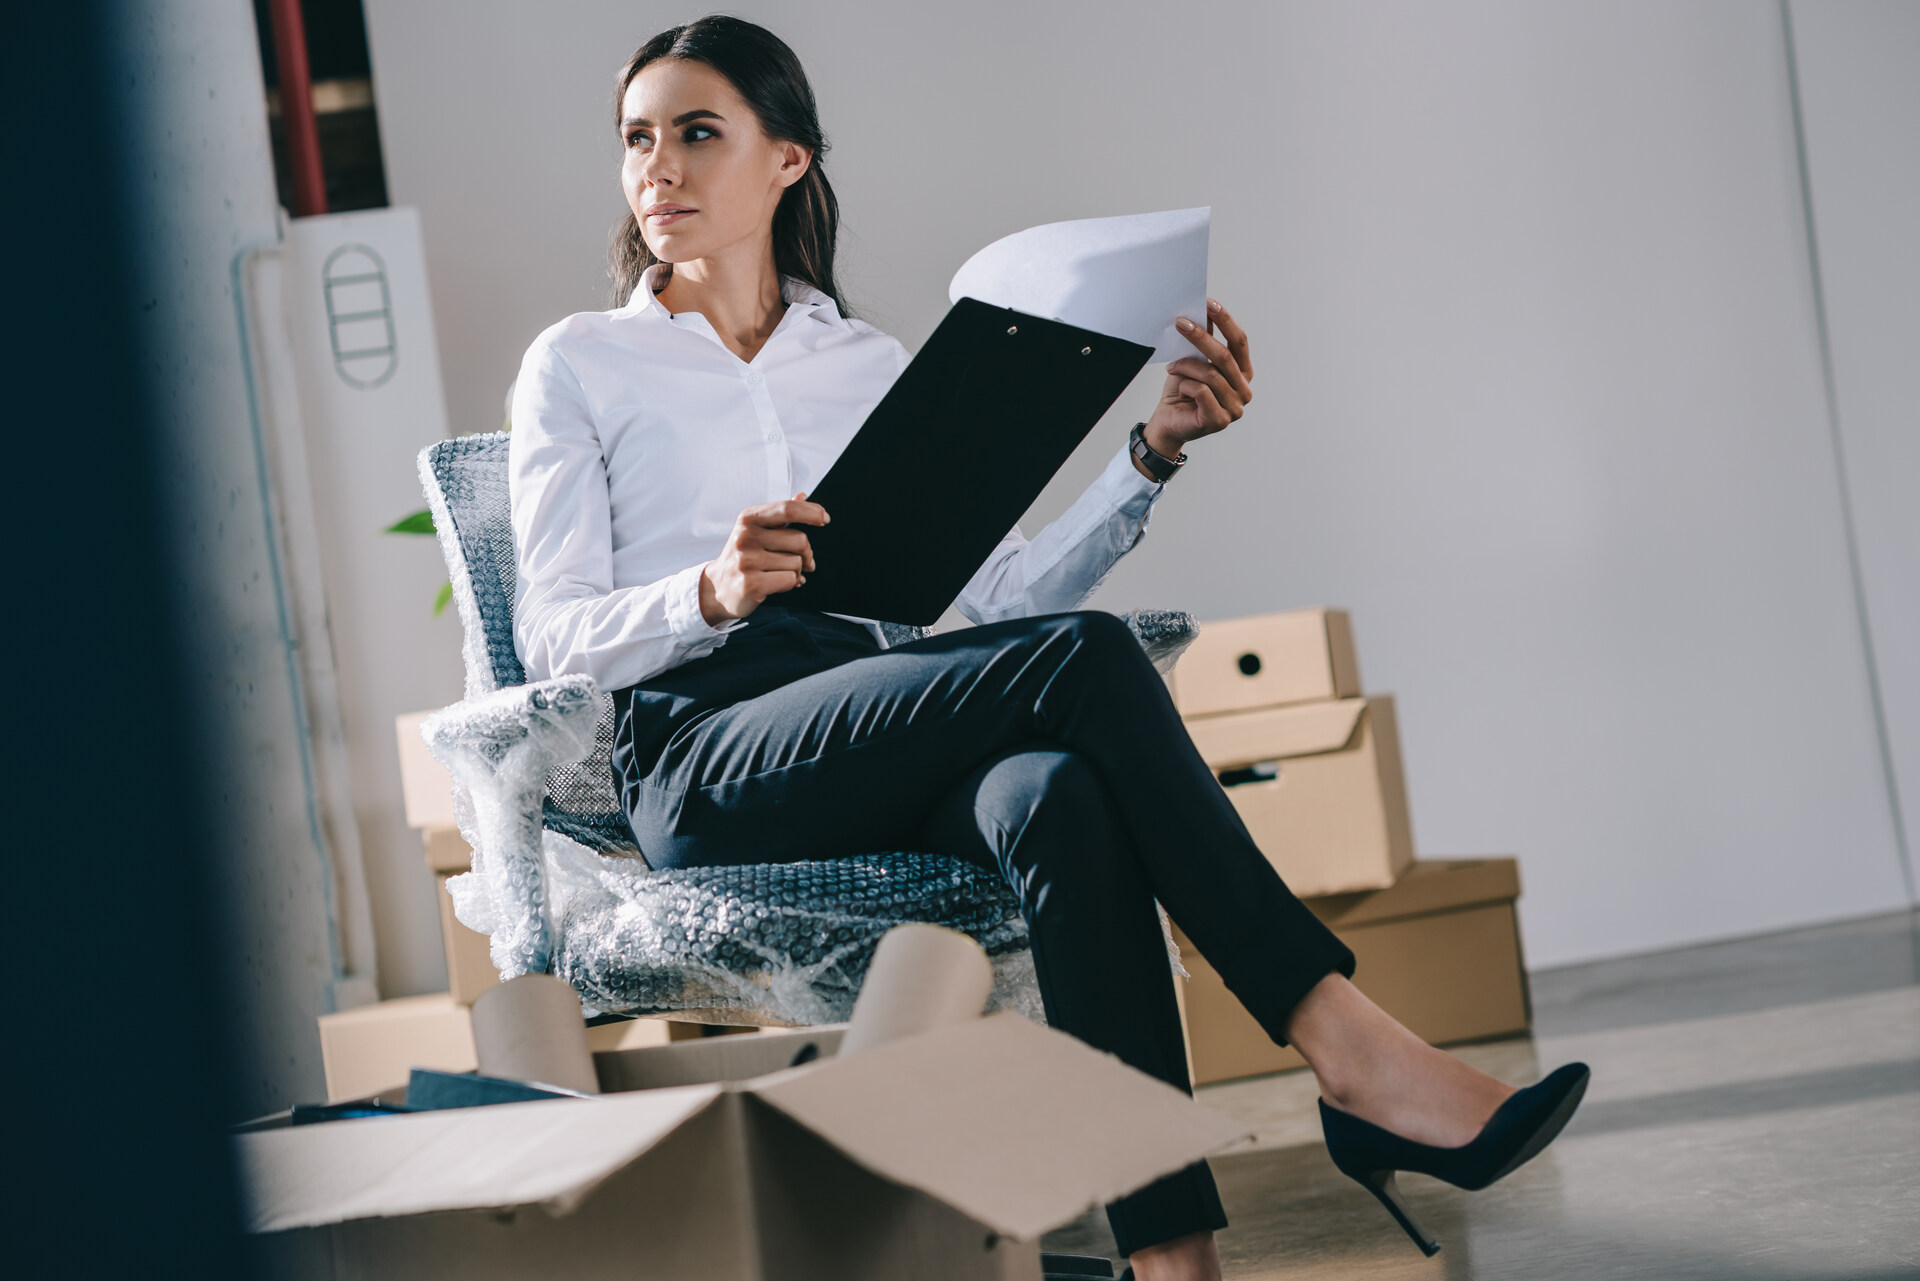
<point x="642" y="139"/>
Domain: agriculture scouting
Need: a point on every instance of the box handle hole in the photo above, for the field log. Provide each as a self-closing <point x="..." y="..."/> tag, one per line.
<point x="1258" y="772"/>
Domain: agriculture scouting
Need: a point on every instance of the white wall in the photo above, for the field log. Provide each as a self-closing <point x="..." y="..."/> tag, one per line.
<point x="1859" y="65"/>
<point x="1539" y="389"/>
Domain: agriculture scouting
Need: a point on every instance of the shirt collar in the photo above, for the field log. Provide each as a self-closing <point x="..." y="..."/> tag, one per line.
<point x="795" y="291"/>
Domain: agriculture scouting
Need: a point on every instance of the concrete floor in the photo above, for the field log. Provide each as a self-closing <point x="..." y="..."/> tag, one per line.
<point x="1754" y="1113"/>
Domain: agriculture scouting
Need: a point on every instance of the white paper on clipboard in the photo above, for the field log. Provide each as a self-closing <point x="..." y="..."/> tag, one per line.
<point x="1128" y="276"/>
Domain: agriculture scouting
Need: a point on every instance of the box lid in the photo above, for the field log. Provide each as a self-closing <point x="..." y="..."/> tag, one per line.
<point x="1276" y="733"/>
<point x="1016" y="1126"/>
<point x="549" y="1153"/>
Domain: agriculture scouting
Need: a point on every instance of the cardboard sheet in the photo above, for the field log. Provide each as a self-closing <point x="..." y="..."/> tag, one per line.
<point x="529" y="1029"/>
<point x="1127" y="276"/>
<point x="921" y="977"/>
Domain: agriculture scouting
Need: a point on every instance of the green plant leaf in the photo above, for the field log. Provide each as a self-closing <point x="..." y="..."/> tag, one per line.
<point x="440" y="601"/>
<point x="420" y="522"/>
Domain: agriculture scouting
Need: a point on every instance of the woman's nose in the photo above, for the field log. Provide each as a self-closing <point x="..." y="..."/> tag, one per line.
<point x="660" y="168"/>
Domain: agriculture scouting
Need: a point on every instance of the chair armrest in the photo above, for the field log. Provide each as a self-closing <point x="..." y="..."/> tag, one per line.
<point x="499" y="747"/>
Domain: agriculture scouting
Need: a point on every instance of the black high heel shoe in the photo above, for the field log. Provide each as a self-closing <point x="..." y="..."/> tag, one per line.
<point x="1515" y="1133"/>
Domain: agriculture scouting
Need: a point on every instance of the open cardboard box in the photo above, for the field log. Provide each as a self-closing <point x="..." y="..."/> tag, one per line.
<point x="939" y="1157"/>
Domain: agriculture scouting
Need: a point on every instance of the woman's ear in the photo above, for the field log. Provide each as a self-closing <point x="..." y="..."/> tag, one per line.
<point x="795" y="158"/>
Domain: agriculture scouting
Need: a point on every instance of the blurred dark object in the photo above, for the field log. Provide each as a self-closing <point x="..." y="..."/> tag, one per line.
<point x="128" y="1174"/>
<point x="346" y="123"/>
<point x="431" y="1090"/>
<point x="320" y="1113"/>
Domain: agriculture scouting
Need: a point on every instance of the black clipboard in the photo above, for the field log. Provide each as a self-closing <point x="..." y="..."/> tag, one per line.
<point x="952" y="457"/>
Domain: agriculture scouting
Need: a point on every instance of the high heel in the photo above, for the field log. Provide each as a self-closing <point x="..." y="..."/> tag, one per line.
<point x="1516" y="1132"/>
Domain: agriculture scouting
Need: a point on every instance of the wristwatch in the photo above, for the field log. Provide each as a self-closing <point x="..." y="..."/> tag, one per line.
<point x="1163" y="468"/>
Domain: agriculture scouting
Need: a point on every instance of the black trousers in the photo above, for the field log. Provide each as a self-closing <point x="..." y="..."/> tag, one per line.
<point x="1044" y="748"/>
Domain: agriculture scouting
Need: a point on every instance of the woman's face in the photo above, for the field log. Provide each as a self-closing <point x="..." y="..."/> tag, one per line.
<point x="698" y="172"/>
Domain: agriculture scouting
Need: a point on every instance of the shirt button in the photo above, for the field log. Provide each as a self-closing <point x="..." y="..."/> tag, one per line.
<point x="754" y="378"/>
<point x="774" y="437"/>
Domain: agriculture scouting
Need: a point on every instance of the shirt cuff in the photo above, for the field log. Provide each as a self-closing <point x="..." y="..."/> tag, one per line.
<point x="1124" y="483"/>
<point x="690" y="626"/>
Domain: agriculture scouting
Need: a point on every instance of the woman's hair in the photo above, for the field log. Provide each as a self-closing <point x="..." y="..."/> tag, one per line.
<point x="765" y="72"/>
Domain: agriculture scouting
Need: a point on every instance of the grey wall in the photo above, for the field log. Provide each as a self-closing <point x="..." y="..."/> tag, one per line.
<point x="1539" y="388"/>
<point x="194" y="140"/>
<point x="1859" y="65"/>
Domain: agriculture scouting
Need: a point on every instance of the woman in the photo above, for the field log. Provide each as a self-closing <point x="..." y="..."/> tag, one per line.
<point x="653" y="449"/>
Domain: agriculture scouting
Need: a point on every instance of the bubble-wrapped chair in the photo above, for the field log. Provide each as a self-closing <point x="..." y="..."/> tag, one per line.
<point x="558" y="882"/>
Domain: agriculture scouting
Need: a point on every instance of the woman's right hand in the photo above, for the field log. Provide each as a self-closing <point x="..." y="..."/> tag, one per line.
<point x="761" y="557"/>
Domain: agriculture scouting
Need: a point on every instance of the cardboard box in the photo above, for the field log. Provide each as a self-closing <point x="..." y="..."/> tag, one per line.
<point x="371" y="1048"/>
<point x="425" y="785"/>
<point x="1269" y="660"/>
<point x="1323" y="792"/>
<point x="1440" y="951"/>
<point x="469" y="956"/>
<point x="447" y="850"/>
<point x="939" y="1157"/>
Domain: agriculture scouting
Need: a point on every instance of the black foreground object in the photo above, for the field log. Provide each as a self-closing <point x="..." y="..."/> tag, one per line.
<point x="1515" y="1134"/>
<point x="1071" y="1267"/>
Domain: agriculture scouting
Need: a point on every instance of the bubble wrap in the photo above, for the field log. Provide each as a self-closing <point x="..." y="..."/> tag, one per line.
<point x="1163" y="633"/>
<point x="763" y="943"/>
<point x="499" y="747"/>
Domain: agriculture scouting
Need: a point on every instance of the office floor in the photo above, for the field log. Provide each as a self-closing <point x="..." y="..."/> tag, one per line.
<point x="1754" y="1113"/>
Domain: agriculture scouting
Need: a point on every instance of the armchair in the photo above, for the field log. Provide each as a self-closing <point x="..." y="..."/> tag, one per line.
<point x="557" y="881"/>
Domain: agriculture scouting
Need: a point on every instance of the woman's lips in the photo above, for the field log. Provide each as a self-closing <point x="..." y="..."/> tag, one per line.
<point x="668" y="219"/>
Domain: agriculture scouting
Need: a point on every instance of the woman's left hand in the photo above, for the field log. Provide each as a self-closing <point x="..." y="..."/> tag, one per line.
<point x="1204" y="393"/>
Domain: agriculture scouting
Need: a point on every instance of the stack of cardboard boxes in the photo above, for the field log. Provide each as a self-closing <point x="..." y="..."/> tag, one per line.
<point x="1275" y="707"/>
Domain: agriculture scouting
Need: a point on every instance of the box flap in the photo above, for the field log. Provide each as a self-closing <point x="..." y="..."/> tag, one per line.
<point x="1271" y="734"/>
<point x="718" y="1059"/>
<point x="1018" y="1127"/>
<point x="1430" y="885"/>
<point x="550" y="1153"/>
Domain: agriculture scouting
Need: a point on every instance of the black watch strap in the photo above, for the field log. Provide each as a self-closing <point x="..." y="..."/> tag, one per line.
<point x="1162" y="467"/>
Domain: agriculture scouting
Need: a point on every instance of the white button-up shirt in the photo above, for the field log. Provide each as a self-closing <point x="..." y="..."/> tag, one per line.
<point x="639" y="437"/>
